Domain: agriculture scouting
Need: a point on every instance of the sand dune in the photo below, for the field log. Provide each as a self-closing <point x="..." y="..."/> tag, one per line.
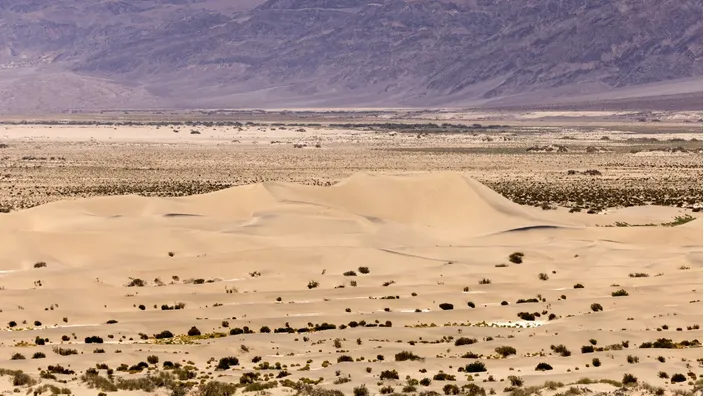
<point x="276" y="254"/>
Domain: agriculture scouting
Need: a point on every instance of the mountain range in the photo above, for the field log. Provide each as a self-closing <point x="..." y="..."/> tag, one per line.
<point x="97" y="54"/>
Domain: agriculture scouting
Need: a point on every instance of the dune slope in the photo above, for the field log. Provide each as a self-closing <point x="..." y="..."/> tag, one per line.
<point x="390" y="252"/>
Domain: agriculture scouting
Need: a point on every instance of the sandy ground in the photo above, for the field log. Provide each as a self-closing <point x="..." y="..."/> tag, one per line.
<point x="387" y="245"/>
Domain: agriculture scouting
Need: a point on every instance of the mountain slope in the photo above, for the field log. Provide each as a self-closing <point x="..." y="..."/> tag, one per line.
<point x="353" y="52"/>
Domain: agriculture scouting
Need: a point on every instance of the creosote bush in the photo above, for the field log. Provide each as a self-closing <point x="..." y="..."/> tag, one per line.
<point x="505" y="350"/>
<point x="516" y="258"/>
<point x="475" y="367"/>
<point x="543" y="367"/>
<point x="389" y="375"/>
<point x="406" y="355"/>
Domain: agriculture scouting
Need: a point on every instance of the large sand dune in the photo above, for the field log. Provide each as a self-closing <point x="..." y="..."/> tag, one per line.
<point x="275" y="254"/>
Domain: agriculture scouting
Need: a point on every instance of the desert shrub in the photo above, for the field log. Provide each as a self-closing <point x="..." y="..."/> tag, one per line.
<point x="345" y="358"/>
<point x="597" y="307"/>
<point x="678" y="378"/>
<point x="95" y="381"/>
<point x="405" y="355"/>
<point x="465" y="341"/>
<point x="451" y="389"/>
<point x="504" y="302"/>
<point x="425" y="382"/>
<point x="350" y="273"/>
<point x="38" y="355"/>
<point x="596" y="362"/>
<point x="638" y="275"/>
<point x="58" y="369"/>
<point x="526" y="316"/>
<point x="505" y="350"/>
<point x="226" y="362"/>
<point x="236" y="331"/>
<point x="515" y="380"/>
<point x="527" y="300"/>
<point x="386" y="390"/>
<point x="214" y="388"/>
<point x="516" y="258"/>
<point x="21" y="379"/>
<point x="444" y="377"/>
<point x="152" y="359"/>
<point x="193" y="331"/>
<point x="578" y="286"/>
<point x="543" y="367"/>
<point x="93" y="340"/>
<point x="265" y="329"/>
<point x="17" y="356"/>
<point x="471" y="304"/>
<point x="667" y="343"/>
<point x="543" y="276"/>
<point x="64" y="351"/>
<point x="136" y="282"/>
<point x="475" y="367"/>
<point x="632" y="359"/>
<point x="587" y="349"/>
<point x="661" y="359"/>
<point x="40" y="264"/>
<point x="363" y="270"/>
<point x="389" y="375"/>
<point x="164" y="334"/>
<point x="629" y="379"/>
<point x="619" y="293"/>
<point x="313" y="284"/>
<point x="561" y="349"/>
<point x="446" y="306"/>
<point x="470" y="355"/>
<point x="485" y="281"/>
<point x="360" y="390"/>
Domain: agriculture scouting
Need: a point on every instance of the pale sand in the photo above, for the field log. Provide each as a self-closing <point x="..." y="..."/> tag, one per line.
<point x="431" y="234"/>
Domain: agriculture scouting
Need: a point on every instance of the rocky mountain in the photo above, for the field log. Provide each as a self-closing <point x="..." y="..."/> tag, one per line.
<point x="297" y="53"/>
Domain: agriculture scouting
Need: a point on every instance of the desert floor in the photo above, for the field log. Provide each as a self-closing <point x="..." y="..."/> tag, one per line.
<point x="534" y="254"/>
